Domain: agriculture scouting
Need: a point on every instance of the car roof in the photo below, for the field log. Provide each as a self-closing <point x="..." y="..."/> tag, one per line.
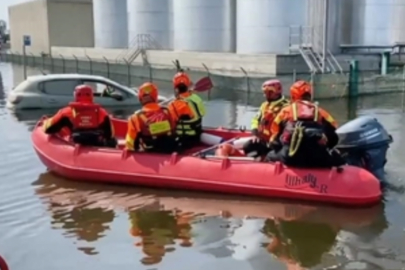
<point x="46" y="77"/>
<point x="73" y="76"/>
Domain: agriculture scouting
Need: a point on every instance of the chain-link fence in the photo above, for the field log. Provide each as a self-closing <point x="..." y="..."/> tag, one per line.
<point x="325" y="85"/>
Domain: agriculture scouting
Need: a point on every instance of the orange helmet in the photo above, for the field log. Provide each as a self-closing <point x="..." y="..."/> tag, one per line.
<point x="181" y="78"/>
<point x="272" y="89"/>
<point x="83" y="93"/>
<point x="148" y="92"/>
<point x="299" y="89"/>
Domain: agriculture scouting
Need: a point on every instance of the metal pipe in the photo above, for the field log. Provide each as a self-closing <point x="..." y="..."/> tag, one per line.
<point x="325" y="34"/>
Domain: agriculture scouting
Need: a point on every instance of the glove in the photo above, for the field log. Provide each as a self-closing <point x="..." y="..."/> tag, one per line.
<point x="256" y="139"/>
<point x="255" y="132"/>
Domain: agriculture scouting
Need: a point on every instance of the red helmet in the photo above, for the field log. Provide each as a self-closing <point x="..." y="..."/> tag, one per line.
<point x="148" y="92"/>
<point x="272" y="89"/>
<point x="181" y="78"/>
<point x="299" y="89"/>
<point x="83" y="93"/>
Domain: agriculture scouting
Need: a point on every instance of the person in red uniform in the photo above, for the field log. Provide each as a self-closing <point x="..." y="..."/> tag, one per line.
<point x="305" y="132"/>
<point x="153" y="128"/>
<point x="87" y="122"/>
<point x="261" y="123"/>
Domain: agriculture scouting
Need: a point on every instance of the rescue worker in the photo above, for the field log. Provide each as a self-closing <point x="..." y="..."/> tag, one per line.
<point x="87" y="122"/>
<point x="261" y="123"/>
<point x="304" y="131"/>
<point x="189" y="109"/>
<point x="153" y="128"/>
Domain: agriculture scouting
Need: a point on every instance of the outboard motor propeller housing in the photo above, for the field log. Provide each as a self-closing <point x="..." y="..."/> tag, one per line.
<point x="364" y="142"/>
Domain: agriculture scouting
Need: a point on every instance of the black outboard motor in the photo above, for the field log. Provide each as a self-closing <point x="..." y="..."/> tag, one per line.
<point x="364" y="142"/>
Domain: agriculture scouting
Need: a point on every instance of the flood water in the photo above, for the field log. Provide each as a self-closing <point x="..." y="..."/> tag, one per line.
<point x="50" y="223"/>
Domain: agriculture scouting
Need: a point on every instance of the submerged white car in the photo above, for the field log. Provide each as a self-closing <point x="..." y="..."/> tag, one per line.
<point x="56" y="91"/>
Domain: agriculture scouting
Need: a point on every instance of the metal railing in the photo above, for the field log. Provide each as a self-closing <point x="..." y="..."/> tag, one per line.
<point x="137" y="46"/>
<point x="133" y="74"/>
<point x="309" y="42"/>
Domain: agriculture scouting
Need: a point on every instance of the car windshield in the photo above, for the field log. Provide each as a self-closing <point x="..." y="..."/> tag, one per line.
<point x="22" y="87"/>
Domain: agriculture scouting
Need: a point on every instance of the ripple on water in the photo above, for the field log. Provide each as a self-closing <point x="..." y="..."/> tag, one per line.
<point x="20" y="214"/>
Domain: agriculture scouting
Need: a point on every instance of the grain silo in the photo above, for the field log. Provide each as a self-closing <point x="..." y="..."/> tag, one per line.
<point x="204" y="25"/>
<point x="330" y="22"/>
<point x="151" y="18"/>
<point x="110" y="23"/>
<point x="371" y="22"/>
<point x="264" y="26"/>
<point x="398" y="21"/>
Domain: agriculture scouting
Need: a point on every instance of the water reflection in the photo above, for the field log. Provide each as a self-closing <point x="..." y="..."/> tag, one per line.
<point x="257" y="234"/>
<point x="75" y="215"/>
<point x="304" y="246"/>
<point x="160" y="231"/>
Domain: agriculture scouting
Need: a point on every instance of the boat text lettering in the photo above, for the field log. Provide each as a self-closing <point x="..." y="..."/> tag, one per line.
<point x="309" y="180"/>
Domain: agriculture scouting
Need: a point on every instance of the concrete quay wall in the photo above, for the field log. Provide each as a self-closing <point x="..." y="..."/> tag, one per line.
<point x="228" y="63"/>
<point x="218" y="62"/>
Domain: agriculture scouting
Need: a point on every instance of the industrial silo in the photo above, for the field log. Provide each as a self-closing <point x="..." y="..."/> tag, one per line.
<point x="110" y="23"/>
<point x="152" y="19"/>
<point x="371" y="23"/>
<point x="263" y="26"/>
<point x="398" y="22"/>
<point x="329" y="21"/>
<point x="204" y="25"/>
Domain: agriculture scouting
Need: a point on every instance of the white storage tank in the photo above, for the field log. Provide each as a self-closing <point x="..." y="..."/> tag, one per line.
<point x="110" y="23"/>
<point x="151" y="17"/>
<point x="398" y="21"/>
<point x="204" y="25"/>
<point x="338" y="23"/>
<point x="371" y="22"/>
<point x="263" y="26"/>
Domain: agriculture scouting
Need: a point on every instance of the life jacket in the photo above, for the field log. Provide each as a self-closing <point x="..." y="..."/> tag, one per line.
<point x="191" y="127"/>
<point x="303" y="121"/>
<point x="268" y="114"/>
<point x="85" y="116"/>
<point x="154" y="126"/>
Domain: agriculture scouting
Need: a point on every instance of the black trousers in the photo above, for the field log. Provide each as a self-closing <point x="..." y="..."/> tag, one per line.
<point x="256" y="149"/>
<point x="93" y="139"/>
<point x="316" y="156"/>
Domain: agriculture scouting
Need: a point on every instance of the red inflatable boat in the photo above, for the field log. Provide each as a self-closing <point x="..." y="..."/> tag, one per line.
<point x="352" y="186"/>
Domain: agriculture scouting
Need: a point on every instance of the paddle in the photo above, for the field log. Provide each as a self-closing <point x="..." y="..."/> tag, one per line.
<point x="202" y="85"/>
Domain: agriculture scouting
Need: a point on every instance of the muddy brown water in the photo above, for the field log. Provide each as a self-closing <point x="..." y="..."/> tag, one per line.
<point x="51" y="223"/>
